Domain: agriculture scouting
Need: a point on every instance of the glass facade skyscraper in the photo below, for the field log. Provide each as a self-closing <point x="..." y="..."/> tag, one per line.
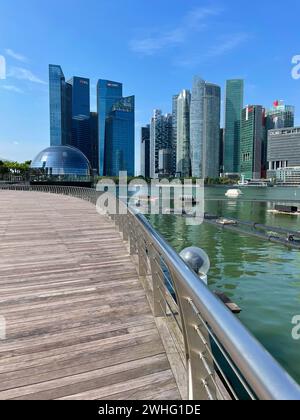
<point x="165" y="162"/>
<point x="108" y="93"/>
<point x="60" y="102"/>
<point x="145" y="151"/>
<point x="174" y="133"/>
<point x="183" y="166"/>
<point x="205" y="129"/>
<point x="80" y="96"/>
<point x="94" y="141"/>
<point x="211" y="144"/>
<point x="252" y="133"/>
<point x="160" y="138"/>
<point x="81" y="136"/>
<point x="119" y="137"/>
<point x="233" y="109"/>
<point x="197" y="127"/>
<point x="105" y="137"/>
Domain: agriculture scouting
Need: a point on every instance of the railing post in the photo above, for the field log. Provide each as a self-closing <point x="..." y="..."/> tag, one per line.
<point x="142" y="265"/>
<point x="125" y="227"/>
<point x="132" y="238"/>
<point x="199" y="374"/>
<point x="157" y="292"/>
<point x="201" y="370"/>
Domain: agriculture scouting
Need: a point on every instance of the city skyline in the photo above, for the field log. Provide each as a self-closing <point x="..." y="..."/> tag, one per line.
<point x="159" y="57"/>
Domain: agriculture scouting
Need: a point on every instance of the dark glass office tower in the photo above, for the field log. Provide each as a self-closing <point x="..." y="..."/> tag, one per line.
<point x="119" y="138"/>
<point x="60" y="101"/>
<point x="81" y="137"/>
<point x="145" y="151"/>
<point x="108" y="94"/>
<point x="80" y="96"/>
<point x="233" y="112"/>
<point x="252" y="133"/>
<point x="94" y="141"/>
<point x="72" y="123"/>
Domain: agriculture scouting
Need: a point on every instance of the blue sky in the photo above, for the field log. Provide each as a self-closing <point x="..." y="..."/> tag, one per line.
<point x="153" y="47"/>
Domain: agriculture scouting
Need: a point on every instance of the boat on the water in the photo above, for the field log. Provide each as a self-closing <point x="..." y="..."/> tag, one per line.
<point x="233" y="193"/>
<point x="253" y="183"/>
<point x="190" y="199"/>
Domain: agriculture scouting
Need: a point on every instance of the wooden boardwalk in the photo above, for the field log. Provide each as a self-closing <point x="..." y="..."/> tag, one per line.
<point x="78" y="325"/>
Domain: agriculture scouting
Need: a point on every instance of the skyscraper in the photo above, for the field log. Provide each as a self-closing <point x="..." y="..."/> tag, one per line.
<point x="81" y="137"/>
<point x="165" y="162"/>
<point x="252" y="132"/>
<point x="160" y="138"/>
<point x="283" y="149"/>
<point x="108" y="93"/>
<point x="205" y="129"/>
<point x="211" y="143"/>
<point x="221" y="150"/>
<point x="183" y="166"/>
<point x="60" y="98"/>
<point x="94" y="141"/>
<point x="280" y="116"/>
<point x="80" y="96"/>
<point x="174" y="132"/>
<point x="119" y="137"/>
<point x="72" y="123"/>
<point x="197" y="126"/>
<point x="233" y="110"/>
<point x="277" y="117"/>
<point x="145" y="151"/>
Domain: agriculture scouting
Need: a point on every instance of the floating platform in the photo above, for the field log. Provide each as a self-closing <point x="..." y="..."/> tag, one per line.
<point x="284" y="212"/>
<point x="286" y="209"/>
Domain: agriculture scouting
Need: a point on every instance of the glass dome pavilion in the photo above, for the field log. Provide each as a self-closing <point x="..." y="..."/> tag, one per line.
<point x="61" y="165"/>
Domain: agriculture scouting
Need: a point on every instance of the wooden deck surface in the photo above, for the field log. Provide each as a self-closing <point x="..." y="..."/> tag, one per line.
<point x="78" y="325"/>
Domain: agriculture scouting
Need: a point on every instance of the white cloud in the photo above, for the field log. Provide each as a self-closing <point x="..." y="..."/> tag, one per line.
<point x="227" y="44"/>
<point x="195" y="17"/>
<point x="12" y="88"/>
<point x="24" y="74"/>
<point x="15" y="55"/>
<point x="2" y="68"/>
<point x="193" y="21"/>
<point x="222" y="46"/>
<point x="150" y="45"/>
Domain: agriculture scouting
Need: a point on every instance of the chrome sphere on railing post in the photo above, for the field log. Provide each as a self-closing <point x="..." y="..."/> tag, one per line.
<point x="197" y="260"/>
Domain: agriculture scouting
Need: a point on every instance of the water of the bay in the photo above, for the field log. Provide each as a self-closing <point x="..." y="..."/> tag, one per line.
<point x="262" y="278"/>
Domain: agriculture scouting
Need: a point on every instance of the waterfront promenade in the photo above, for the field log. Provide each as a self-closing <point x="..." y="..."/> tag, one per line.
<point x="78" y="324"/>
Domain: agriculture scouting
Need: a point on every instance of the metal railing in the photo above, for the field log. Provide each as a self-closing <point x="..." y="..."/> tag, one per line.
<point x="222" y="359"/>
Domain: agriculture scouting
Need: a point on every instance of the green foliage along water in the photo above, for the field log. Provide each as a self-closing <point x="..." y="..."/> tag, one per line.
<point x="262" y="278"/>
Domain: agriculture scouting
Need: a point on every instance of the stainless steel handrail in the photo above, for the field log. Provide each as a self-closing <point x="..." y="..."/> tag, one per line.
<point x="265" y="376"/>
<point x="202" y="315"/>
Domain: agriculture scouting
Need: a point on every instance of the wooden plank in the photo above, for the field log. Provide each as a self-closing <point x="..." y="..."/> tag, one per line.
<point x="78" y="321"/>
